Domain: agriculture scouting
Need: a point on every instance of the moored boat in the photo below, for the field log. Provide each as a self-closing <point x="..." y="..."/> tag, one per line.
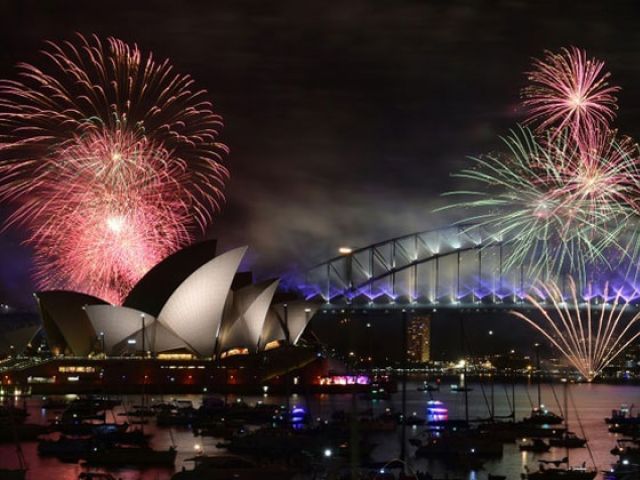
<point x="559" y="473"/>
<point x="231" y="467"/>
<point x="535" y="445"/>
<point x="623" y="416"/>
<point x="568" y="440"/>
<point x="130" y="456"/>
<point x="543" y="416"/>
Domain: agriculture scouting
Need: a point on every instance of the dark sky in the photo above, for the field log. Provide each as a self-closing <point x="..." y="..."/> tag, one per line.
<point x="346" y="118"/>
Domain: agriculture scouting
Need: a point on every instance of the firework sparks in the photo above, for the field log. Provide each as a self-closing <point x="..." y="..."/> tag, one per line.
<point x="560" y="210"/>
<point x="569" y="90"/>
<point x="112" y="162"/>
<point x="126" y="217"/>
<point x="590" y="337"/>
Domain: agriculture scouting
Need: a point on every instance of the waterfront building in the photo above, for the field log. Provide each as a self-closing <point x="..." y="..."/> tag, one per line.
<point x="419" y="339"/>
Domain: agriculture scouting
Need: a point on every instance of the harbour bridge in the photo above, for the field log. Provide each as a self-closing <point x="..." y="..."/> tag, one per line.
<point x="462" y="266"/>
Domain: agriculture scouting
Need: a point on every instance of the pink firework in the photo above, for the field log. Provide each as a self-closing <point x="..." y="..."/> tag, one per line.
<point x="125" y="213"/>
<point x="568" y="90"/>
<point x="599" y="179"/>
<point x="112" y="162"/>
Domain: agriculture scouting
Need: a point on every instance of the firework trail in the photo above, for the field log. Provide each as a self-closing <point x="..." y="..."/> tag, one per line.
<point x="559" y="211"/>
<point x="591" y="338"/>
<point x="111" y="160"/>
<point x="569" y="90"/>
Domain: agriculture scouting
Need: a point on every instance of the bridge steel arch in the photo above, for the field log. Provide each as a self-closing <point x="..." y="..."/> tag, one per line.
<point x="453" y="267"/>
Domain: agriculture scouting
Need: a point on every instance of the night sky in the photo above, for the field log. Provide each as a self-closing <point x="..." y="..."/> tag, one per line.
<point x="345" y="119"/>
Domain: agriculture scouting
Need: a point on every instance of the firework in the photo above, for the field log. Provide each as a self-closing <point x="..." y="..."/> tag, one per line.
<point x="111" y="160"/>
<point x="589" y="336"/>
<point x="126" y="217"/>
<point x="569" y="90"/>
<point x="560" y="210"/>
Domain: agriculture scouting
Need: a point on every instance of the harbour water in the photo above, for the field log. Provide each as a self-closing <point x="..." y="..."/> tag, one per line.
<point x="594" y="402"/>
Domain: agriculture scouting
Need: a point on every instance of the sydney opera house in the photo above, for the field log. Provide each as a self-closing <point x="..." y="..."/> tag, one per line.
<point x="192" y="321"/>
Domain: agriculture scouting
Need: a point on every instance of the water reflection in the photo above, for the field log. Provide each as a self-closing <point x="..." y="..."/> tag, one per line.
<point x="594" y="402"/>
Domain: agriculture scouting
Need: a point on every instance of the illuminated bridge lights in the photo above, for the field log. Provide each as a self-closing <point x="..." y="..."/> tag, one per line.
<point x="454" y="267"/>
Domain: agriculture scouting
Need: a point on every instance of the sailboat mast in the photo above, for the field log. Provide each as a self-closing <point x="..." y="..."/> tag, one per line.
<point x="403" y="433"/>
<point x="513" y="396"/>
<point x="566" y="417"/>
<point x="464" y="372"/>
<point x="538" y="372"/>
<point x="493" y="401"/>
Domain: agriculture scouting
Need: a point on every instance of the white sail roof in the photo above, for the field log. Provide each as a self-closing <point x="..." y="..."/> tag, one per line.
<point x="299" y="313"/>
<point x="194" y="310"/>
<point x="158" y="338"/>
<point x="113" y="324"/>
<point x="245" y="316"/>
<point x="65" y="321"/>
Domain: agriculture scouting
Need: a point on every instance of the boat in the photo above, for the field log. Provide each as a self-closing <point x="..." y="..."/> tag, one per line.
<point x="427" y="387"/>
<point x="384" y="422"/>
<point x="509" y="432"/>
<point x="558" y="473"/>
<point x="50" y="403"/>
<point x="231" y="467"/>
<point x="219" y="429"/>
<point x="87" y="428"/>
<point x="127" y="437"/>
<point x="623" y="471"/>
<point x="177" y="417"/>
<point x="299" y="446"/>
<point x="535" y="445"/>
<point x="411" y="420"/>
<point x="366" y="422"/>
<point x="630" y="430"/>
<point x="459" y="443"/>
<point x="568" y="440"/>
<point x="130" y="456"/>
<point x="623" y="416"/>
<point x="376" y="392"/>
<point x="69" y="449"/>
<point x="240" y="412"/>
<point x="94" y="403"/>
<point x="541" y="416"/>
<point x="460" y="388"/>
<point x="139" y="412"/>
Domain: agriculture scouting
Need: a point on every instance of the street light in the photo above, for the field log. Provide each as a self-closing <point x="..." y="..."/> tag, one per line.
<point x="345" y="250"/>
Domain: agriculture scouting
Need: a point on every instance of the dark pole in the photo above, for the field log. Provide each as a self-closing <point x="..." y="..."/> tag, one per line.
<point x="144" y="351"/>
<point x="493" y="401"/>
<point x="537" y="346"/>
<point x="513" y="396"/>
<point x="287" y="336"/>
<point x="403" y="437"/>
<point x="286" y="325"/>
<point x="566" y="415"/>
<point x="464" y="372"/>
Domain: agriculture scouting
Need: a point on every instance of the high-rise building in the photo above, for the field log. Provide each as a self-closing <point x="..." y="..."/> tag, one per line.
<point x="419" y="339"/>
